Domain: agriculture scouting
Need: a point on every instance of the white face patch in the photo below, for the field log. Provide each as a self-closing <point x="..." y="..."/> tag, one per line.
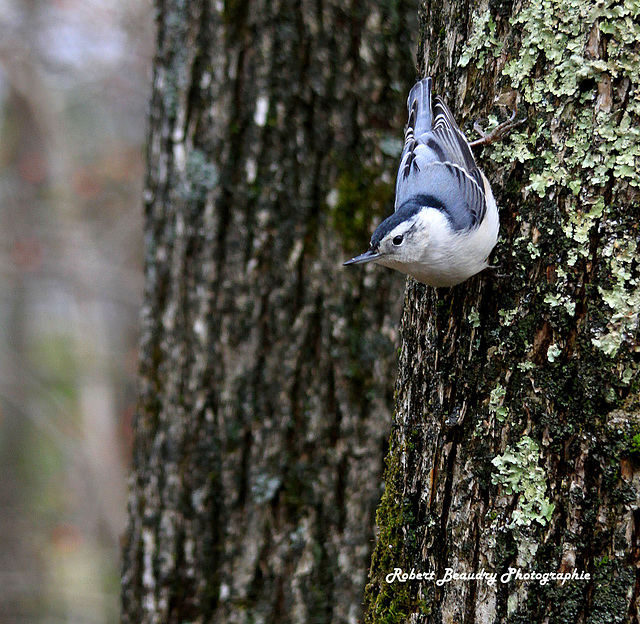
<point x="400" y="231"/>
<point x="403" y="237"/>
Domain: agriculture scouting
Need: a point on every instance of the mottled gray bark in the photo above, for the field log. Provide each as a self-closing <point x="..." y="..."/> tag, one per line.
<point x="266" y="369"/>
<point x="515" y="442"/>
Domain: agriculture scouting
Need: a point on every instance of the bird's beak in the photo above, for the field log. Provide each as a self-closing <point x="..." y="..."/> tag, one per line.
<point x="367" y="256"/>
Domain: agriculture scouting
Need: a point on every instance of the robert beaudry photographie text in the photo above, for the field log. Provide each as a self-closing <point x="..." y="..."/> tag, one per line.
<point x="490" y="578"/>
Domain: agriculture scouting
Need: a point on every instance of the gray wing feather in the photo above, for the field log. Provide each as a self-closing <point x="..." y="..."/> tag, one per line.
<point x="419" y="123"/>
<point x="447" y="132"/>
<point x="437" y="162"/>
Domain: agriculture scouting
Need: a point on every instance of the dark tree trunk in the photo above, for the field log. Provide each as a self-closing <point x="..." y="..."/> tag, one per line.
<point x="266" y="369"/>
<point x="516" y="437"/>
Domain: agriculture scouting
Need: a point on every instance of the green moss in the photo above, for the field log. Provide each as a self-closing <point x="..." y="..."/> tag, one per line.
<point x="613" y="584"/>
<point x="389" y="603"/>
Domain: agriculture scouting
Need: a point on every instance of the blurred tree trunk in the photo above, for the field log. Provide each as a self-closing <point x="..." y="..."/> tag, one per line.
<point x="516" y="436"/>
<point x="266" y="369"/>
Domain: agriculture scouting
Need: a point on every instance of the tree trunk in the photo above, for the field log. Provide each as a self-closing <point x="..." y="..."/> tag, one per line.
<point x="516" y="438"/>
<point x="266" y="369"/>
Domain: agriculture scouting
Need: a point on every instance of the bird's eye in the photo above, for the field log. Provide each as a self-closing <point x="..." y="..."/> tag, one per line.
<point x="397" y="240"/>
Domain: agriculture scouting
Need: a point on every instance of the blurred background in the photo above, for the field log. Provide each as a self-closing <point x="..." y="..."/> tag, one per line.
<point x="74" y="85"/>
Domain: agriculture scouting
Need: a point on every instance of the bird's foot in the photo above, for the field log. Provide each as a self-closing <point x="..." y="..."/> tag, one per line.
<point x="495" y="272"/>
<point x="497" y="133"/>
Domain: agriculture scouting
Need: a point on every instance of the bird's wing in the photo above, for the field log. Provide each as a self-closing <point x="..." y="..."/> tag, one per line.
<point x="452" y="141"/>
<point x="437" y="162"/>
<point x="419" y="123"/>
<point x="448" y="188"/>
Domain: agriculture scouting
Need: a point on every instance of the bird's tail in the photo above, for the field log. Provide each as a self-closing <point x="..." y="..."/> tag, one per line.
<point x="419" y="106"/>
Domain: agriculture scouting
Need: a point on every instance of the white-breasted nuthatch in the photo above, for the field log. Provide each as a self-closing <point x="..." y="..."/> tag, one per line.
<point x="446" y="220"/>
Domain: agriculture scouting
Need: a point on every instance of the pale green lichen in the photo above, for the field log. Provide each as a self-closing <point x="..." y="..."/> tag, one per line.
<point x="526" y="366"/>
<point x="482" y="41"/>
<point x="519" y="148"/>
<point x="561" y="299"/>
<point x="553" y="352"/>
<point x="496" y="403"/>
<point x="579" y="143"/>
<point x="474" y="318"/>
<point x="519" y="474"/>
<point x="558" y="30"/>
<point x="201" y="176"/>
<point x="628" y="373"/>
<point x="623" y="297"/>
<point x="580" y="223"/>
<point x="556" y="33"/>
<point x="507" y="316"/>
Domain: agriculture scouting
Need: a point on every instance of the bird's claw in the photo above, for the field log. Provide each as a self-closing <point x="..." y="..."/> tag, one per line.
<point x="497" y="133"/>
<point x="494" y="271"/>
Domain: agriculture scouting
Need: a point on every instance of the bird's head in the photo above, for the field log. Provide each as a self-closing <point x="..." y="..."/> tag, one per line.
<point x="399" y="240"/>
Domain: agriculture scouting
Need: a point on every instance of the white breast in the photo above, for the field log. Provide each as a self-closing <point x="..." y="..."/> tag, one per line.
<point x="448" y="257"/>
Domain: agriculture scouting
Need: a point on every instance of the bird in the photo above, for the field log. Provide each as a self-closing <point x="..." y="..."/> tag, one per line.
<point x="445" y="222"/>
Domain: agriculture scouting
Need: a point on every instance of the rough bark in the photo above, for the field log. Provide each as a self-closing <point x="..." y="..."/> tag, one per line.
<point x="515" y="440"/>
<point x="266" y="369"/>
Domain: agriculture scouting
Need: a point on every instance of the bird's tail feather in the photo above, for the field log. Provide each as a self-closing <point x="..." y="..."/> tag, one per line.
<point x="419" y="106"/>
